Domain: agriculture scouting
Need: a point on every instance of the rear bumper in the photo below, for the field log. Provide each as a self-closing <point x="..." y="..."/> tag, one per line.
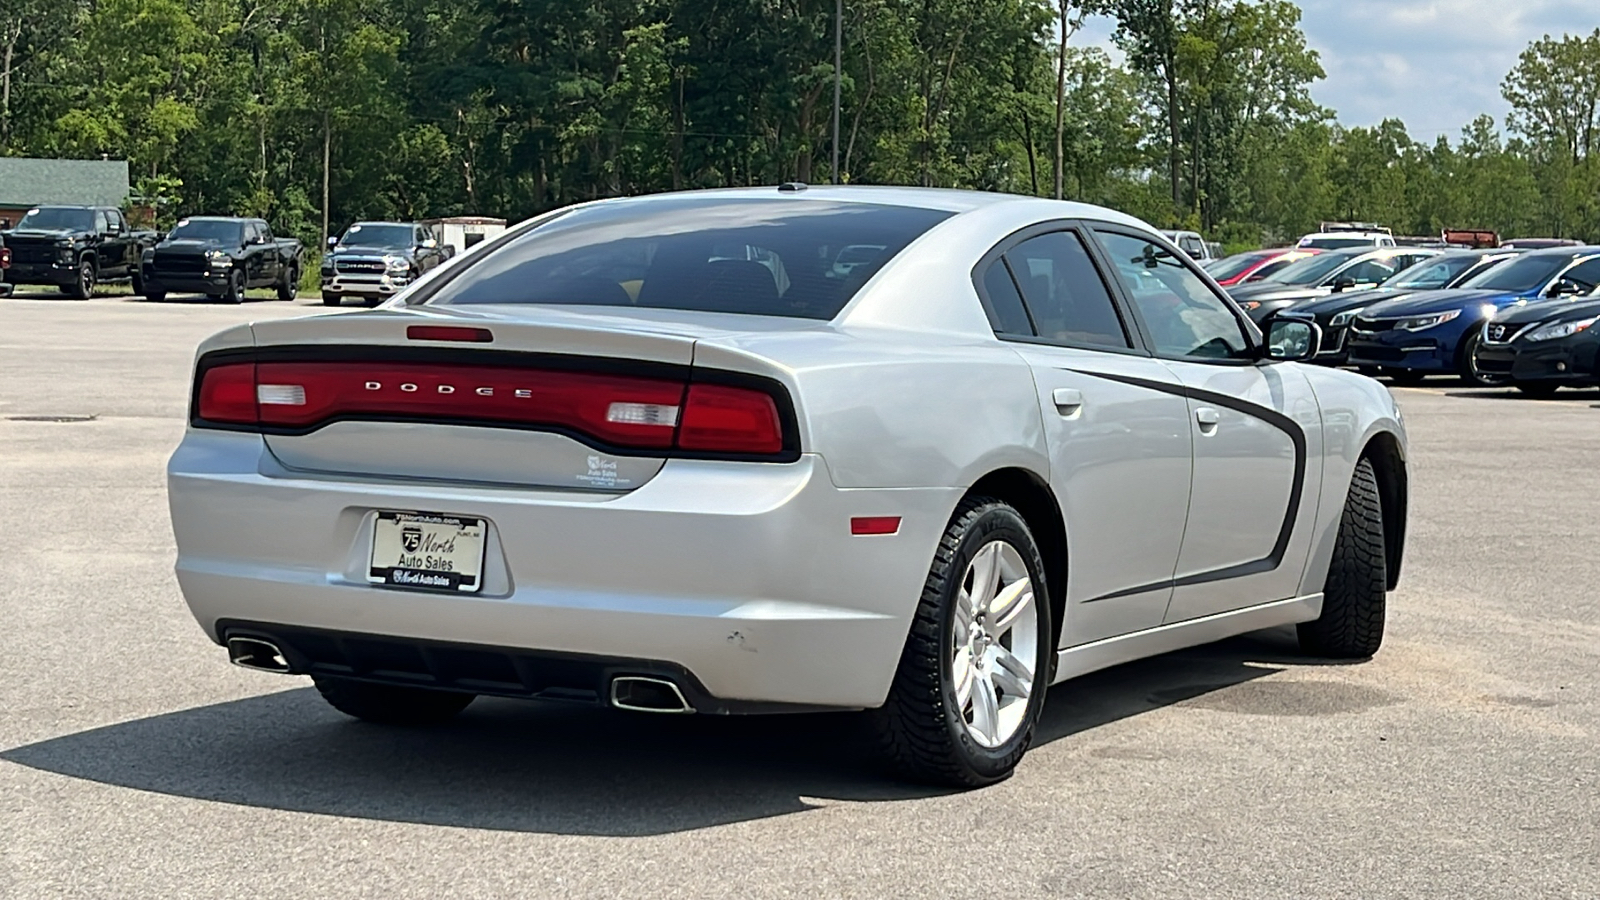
<point x="744" y="575"/>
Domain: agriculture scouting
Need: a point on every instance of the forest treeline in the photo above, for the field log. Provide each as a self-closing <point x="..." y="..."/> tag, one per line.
<point x="296" y="110"/>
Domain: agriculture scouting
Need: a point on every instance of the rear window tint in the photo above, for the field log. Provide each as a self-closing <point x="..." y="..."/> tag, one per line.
<point x="781" y="257"/>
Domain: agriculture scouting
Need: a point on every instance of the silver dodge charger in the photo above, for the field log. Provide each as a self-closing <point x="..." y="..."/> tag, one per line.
<point x="915" y="452"/>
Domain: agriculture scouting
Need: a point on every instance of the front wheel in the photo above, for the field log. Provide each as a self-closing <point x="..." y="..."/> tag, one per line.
<point x="1467" y="365"/>
<point x="330" y="299"/>
<point x="1354" y="595"/>
<point x="138" y="283"/>
<point x="235" y="292"/>
<point x="83" y="287"/>
<point x="976" y="664"/>
<point x="388" y="704"/>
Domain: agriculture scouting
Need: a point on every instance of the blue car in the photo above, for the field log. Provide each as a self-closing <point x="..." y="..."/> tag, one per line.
<point x="1437" y="332"/>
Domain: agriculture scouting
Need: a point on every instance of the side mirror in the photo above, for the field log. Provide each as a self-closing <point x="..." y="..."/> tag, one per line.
<point x="1343" y="284"/>
<point x="333" y="242"/>
<point x="1291" y="337"/>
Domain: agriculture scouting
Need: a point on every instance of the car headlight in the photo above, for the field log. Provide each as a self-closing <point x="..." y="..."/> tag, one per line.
<point x="1419" y="323"/>
<point x="398" y="265"/>
<point x="218" y="259"/>
<point x="1343" y="318"/>
<point x="1560" y="330"/>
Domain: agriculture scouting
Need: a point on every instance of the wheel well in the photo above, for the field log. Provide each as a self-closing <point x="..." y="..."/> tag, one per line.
<point x="1383" y="451"/>
<point x="1032" y="497"/>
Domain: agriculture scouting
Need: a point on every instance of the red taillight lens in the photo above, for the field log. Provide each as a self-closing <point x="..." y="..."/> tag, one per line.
<point x="5" y="257"/>
<point x="724" y="419"/>
<point x="625" y="411"/>
<point x="228" y="394"/>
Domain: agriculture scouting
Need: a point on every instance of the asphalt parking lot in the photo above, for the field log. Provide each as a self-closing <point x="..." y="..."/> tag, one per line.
<point x="135" y="762"/>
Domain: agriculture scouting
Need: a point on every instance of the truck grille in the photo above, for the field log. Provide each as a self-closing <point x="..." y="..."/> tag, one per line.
<point x="32" y="252"/>
<point x="360" y="266"/>
<point x="176" y="263"/>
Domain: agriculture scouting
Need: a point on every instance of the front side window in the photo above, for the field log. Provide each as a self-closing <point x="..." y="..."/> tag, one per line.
<point x="1066" y="298"/>
<point x="100" y="224"/>
<point x="1433" y="273"/>
<point x="1586" y="275"/>
<point x="773" y="257"/>
<point x="1184" y="317"/>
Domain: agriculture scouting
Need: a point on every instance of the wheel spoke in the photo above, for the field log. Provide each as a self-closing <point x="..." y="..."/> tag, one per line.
<point x="1012" y="601"/>
<point x="985" y="710"/>
<point x="1013" y="675"/>
<point x="984" y="576"/>
<point x="963" y="673"/>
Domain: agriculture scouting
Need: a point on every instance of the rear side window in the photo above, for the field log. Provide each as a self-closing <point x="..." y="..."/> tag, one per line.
<point x="1066" y="298"/>
<point x="779" y="257"/>
<point x="1003" y="303"/>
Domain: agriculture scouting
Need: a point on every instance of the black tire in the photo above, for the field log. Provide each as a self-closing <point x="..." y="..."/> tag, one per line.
<point x="290" y="285"/>
<point x="1541" y="389"/>
<point x="370" y="302"/>
<point x="1406" y="377"/>
<point x="83" y="287"/>
<point x="330" y="299"/>
<point x="155" y="296"/>
<point x="1467" y="362"/>
<point x="137" y="278"/>
<point x="1354" y="596"/>
<point x="235" y="292"/>
<point x="388" y="704"/>
<point x="920" y="728"/>
<point x="1369" y="371"/>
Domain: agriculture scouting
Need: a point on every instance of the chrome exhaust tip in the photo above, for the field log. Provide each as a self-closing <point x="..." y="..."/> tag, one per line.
<point x="637" y="693"/>
<point x="258" y="654"/>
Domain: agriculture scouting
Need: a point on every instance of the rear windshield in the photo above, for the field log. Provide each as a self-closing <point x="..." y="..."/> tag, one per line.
<point x="779" y="257"/>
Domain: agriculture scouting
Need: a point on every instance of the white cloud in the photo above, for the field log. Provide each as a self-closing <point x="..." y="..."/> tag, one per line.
<point x="1434" y="64"/>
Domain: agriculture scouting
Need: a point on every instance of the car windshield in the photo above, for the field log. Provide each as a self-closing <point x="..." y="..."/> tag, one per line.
<point x="1312" y="270"/>
<point x="1429" y="274"/>
<point x="388" y="237"/>
<point x="57" y="218"/>
<point x="207" y="230"/>
<point x="753" y="256"/>
<point x="1336" y="243"/>
<point x="1222" y="269"/>
<point x="1526" y="273"/>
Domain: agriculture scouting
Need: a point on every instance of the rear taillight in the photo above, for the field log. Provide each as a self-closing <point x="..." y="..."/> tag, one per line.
<point x="228" y="394"/>
<point x="5" y="257"/>
<point x="624" y="411"/>
<point x="723" y="419"/>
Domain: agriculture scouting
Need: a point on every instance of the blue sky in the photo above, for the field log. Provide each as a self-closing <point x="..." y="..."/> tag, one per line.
<point x="1434" y="64"/>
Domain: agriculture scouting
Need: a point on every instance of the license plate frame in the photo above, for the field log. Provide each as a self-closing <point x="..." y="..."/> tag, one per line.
<point x="427" y="551"/>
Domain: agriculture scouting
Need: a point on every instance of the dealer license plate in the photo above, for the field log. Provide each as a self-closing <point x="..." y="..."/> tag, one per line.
<point x="427" y="550"/>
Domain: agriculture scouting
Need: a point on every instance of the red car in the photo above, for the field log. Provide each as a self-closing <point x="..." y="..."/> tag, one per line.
<point x="1254" y="265"/>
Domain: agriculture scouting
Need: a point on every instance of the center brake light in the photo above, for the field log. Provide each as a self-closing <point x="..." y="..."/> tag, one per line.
<point x="623" y="411"/>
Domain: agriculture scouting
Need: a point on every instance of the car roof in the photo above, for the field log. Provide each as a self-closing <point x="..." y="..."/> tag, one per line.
<point x="375" y="222"/>
<point x="951" y="200"/>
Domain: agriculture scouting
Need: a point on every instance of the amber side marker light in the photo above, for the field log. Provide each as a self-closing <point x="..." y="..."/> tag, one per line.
<point x="449" y="333"/>
<point x="875" y="525"/>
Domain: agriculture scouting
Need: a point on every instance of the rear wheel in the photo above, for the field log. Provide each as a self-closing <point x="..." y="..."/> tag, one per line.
<point x="390" y="705"/>
<point x="976" y="664"/>
<point x="1467" y="363"/>
<point x="290" y="283"/>
<point x="1354" y="596"/>
<point x="1538" y="388"/>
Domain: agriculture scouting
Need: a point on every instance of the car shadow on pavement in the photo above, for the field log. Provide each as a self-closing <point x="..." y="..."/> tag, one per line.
<point x="515" y="766"/>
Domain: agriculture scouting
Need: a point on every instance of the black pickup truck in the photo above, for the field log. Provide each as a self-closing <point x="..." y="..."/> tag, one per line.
<point x="75" y="248"/>
<point x="221" y="258"/>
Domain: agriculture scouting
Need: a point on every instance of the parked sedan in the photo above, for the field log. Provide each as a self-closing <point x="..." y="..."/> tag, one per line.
<point x="1332" y="272"/>
<point x="1544" y="346"/>
<point x="1437" y="332"/>
<point x="1334" y="312"/>
<point x="654" y="453"/>
<point x="1254" y="265"/>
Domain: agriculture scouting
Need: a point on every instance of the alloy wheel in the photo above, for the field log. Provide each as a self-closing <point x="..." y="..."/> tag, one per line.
<point x="995" y="643"/>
